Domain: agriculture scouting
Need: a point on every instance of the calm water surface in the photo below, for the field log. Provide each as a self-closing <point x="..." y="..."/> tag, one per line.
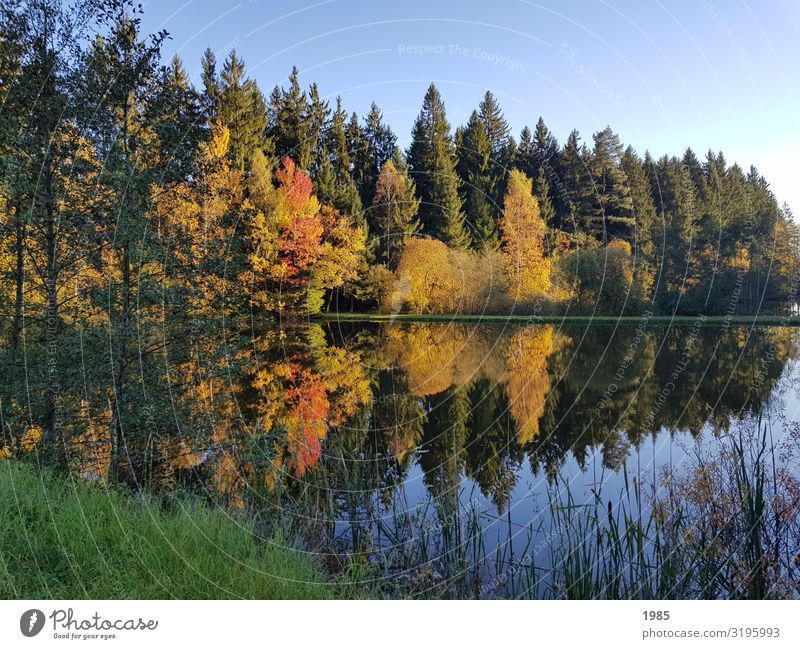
<point x="436" y="451"/>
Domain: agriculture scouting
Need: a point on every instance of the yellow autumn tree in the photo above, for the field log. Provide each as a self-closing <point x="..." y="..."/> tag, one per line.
<point x="523" y="231"/>
<point x="527" y="379"/>
<point x="196" y="221"/>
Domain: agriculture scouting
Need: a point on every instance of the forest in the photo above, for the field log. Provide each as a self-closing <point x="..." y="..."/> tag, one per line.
<point x="125" y="187"/>
<point x="139" y="212"/>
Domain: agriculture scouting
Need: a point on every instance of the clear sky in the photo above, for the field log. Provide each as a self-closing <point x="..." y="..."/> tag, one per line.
<point x="665" y="75"/>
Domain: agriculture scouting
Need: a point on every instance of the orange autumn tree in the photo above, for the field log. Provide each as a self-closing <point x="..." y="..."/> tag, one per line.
<point x="523" y="231"/>
<point x="300" y="249"/>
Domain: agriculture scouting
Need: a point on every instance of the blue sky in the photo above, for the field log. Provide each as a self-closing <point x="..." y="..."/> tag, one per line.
<point x="665" y="75"/>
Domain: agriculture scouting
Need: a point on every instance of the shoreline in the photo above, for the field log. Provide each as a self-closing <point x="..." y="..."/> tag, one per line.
<point x="712" y="321"/>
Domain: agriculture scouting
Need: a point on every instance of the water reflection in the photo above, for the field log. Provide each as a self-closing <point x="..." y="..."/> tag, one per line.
<point x="462" y="401"/>
<point x="347" y="430"/>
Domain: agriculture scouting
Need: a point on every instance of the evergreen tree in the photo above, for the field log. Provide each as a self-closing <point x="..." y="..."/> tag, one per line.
<point x="177" y="117"/>
<point x="644" y="213"/>
<point x="495" y="125"/>
<point x="475" y="169"/>
<point x="525" y="160"/>
<point x="316" y="122"/>
<point x="573" y="204"/>
<point x="432" y="161"/>
<point x="334" y="177"/>
<point x="503" y="153"/>
<point x="545" y="146"/>
<point x="211" y="85"/>
<point x="375" y="147"/>
<point x="695" y="171"/>
<point x="294" y="122"/>
<point x="612" y="209"/>
<point x="541" y="190"/>
<point x="242" y="110"/>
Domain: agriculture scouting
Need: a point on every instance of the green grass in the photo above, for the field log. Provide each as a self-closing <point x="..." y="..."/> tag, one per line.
<point x="774" y="320"/>
<point x="65" y="540"/>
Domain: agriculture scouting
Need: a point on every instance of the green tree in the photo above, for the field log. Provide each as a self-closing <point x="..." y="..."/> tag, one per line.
<point x="573" y="205"/>
<point x="296" y="122"/>
<point x="612" y="209"/>
<point x="432" y="161"/>
<point x="475" y="169"/>
<point x="374" y="146"/>
<point x="334" y="176"/>
<point x="644" y="212"/>
<point x="178" y="122"/>
<point x="242" y="110"/>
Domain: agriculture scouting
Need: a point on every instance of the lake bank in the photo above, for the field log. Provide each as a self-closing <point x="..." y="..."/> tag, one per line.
<point x="715" y="321"/>
<point x="62" y="539"/>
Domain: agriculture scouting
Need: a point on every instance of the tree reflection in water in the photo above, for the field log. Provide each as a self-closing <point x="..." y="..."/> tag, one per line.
<point x="422" y="445"/>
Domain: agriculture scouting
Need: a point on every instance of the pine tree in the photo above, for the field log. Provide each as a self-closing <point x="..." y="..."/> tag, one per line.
<point x="176" y="114"/>
<point x="376" y="145"/>
<point x="525" y="160"/>
<point x="475" y="169"/>
<point x="573" y="202"/>
<point x="334" y="175"/>
<point x="612" y="209"/>
<point x="432" y="161"/>
<point x="242" y="110"/>
<point x="503" y="152"/>
<point x="541" y="190"/>
<point x="211" y="85"/>
<point x="695" y="171"/>
<point x="316" y="120"/>
<point x="495" y="125"/>
<point x="644" y="213"/>
<point x="290" y="123"/>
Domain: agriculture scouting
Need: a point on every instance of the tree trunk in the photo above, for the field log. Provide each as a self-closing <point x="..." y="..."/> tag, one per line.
<point x="19" y="280"/>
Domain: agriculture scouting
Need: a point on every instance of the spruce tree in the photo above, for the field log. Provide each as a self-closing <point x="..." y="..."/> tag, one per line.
<point x="211" y="87"/>
<point x="432" y="161"/>
<point x="573" y="201"/>
<point x="525" y="161"/>
<point x="177" y="118"/>
<point x="643" y="244"/>
<point x="289" y="123"/>
<point x="475" y="169"/>
<point x="334" y="182"/>
<point x="537" y="158"/>
<point x="494" y="123"/>
<point x="503" y="150"/>
<point x="393" y="213"/>
<point x="612" y="209"/>
<point x="242" y="110"/>
<point x="376" y="146"/>
<point x="541" y="190"/>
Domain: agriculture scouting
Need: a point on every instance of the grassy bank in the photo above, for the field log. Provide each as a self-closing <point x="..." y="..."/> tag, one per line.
<point x="63" y="540"/>
<point x="714" y="321"/>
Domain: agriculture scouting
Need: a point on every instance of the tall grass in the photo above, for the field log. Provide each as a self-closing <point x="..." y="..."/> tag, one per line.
<point x="64" y="540"/>
<point x="724" y="525"/>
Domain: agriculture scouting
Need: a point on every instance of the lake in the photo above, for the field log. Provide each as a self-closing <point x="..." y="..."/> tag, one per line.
<point x="471" y="460"/>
